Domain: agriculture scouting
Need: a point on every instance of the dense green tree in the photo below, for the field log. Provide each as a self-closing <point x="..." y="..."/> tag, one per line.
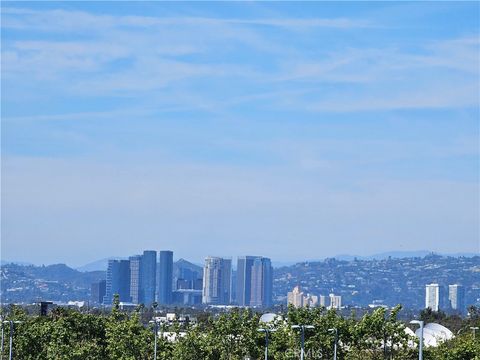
<point x="460" y="348"/>
<point x="126" y="337"/>
<point x="66" y="334"/>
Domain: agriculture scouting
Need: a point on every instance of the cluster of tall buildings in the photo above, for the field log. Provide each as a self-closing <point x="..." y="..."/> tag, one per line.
<point x="250" y="285"/>
<point x="142" y="279"/>
<point x="145" y="279"/>
<point x="451" y="298"/>
<point x="298" y="298"/>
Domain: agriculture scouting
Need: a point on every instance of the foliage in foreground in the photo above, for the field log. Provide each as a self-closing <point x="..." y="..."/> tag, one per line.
<point x="71" y="335"/>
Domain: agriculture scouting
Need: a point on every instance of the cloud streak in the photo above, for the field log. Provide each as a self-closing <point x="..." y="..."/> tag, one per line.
<point x="21" y="18"/>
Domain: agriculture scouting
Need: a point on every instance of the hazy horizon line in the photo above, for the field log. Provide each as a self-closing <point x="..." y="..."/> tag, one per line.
<point x="398" y="254"/>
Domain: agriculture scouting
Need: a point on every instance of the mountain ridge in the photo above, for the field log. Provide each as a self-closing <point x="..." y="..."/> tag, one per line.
<point x="101" y="264"/>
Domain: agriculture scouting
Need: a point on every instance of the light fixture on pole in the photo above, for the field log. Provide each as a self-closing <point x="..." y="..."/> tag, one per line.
<point x="266" y="331"/>
<point x="474" y="329"/>
<point x="420" y="347"/>
<point x="302" y="332"/>
<point x="335" y="331"/>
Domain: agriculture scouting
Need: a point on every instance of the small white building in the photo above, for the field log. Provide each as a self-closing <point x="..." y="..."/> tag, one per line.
<point x="298" y="298"/>
<point x="335" y="301"/>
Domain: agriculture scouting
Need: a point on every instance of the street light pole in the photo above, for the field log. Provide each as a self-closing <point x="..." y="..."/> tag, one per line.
<point x="12" y="325"/>
<point x="156" y="334"/>
<point x="334" y="330"/>
<point x="420" y="348"/>
<point x="11" y="341"/>
<point x="302" y="332"/>
<point x="266" y="331"/>
<point x="1" y="354"/>
<point x="155" y="329"/>
<point x="474" y="329"/>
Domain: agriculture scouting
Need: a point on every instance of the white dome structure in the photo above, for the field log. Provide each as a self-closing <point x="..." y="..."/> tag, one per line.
<point x="438" y="329"/>
<point x="434" y="334"/>
<point x="270" y="318"/>
<point x="428" y="339"/>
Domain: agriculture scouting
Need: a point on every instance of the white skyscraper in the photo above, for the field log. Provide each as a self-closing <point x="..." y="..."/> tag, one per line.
<point x="456" y="297"/>
<point x="433" y="296"/>
<point x="217" y="274"/>
<point x="335" y="301"/>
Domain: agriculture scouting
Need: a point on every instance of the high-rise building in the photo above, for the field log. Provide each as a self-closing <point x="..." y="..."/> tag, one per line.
<point x="135" y="278"/>
<point x="434" y="297"/>
<point x="233" y="288"/>
<point x="335" y="301"/>
<point x="254" y="281"/>
<point x="295" y="297"/>
<point x="118" y="281"/>
<point x="456" y="298"/>
<point x="298" y="298"/>
<point x="143" y="269"/>
<point x="217" y="274"/>
<point x="148" y="278"/>
<point x="98" y="291"/>
<point x="165" y="278"/>
<point x="261" y="282"/>
<point x="244" y="279"/>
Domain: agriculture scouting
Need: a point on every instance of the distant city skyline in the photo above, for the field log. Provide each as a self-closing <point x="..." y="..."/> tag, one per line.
<point x="357" y="282"/>
<point x="292" y="131"/>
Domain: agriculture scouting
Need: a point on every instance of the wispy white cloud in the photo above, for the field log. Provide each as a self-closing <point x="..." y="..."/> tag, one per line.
<point x="389" y="63"/>
<point x="424" y="98"/>
<point x="152" y="51"/>
<point x="157" y="73"/>
<point x="51" y="20"/>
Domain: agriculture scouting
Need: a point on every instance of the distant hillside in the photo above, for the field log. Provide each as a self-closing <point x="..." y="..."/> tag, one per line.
<point x="386" y="255"/>
<point x="379" y="256"/>
<point x="185" y="264"/>
<point x="54" y="282"/>
<point x="402" y="255"/>
<point x="98" y="265"/>
<point x="5" y="262"/>
<point x="386" y="281"/>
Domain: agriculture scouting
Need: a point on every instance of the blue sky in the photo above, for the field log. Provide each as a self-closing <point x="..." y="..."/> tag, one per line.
<point x="285" y="129"/>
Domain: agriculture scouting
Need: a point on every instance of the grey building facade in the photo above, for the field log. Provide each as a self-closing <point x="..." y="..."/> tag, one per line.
<point x="97" y="292"/>
<point x="254" y="281"/>
<point x="148" y="277"/>
<point x="165" y="277"/>
<point x="118" y="281"/>
<point x="135" y="278"/>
